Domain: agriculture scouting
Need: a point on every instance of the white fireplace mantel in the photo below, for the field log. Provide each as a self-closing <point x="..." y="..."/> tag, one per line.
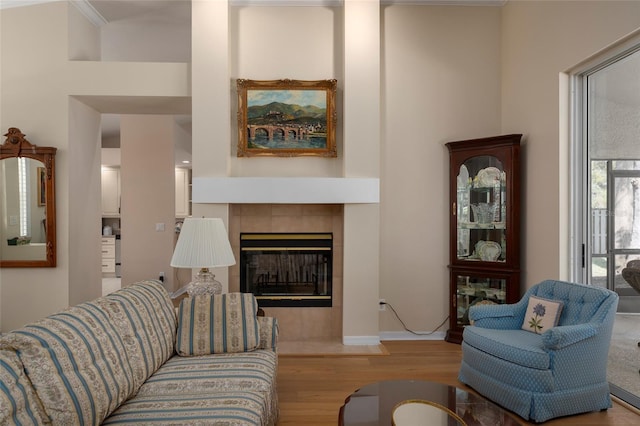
<point x="285" y="190"/>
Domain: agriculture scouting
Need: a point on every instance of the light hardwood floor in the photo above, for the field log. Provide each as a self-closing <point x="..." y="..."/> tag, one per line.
<point x="312" y="388"/>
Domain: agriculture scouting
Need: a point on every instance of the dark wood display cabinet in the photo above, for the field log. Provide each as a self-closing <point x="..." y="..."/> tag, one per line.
<point x="484" y="247"/>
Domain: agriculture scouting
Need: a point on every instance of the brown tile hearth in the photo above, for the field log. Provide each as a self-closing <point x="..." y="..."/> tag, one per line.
<point x="297" y="324"/>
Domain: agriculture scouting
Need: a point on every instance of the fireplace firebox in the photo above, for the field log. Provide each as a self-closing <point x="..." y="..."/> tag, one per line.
<point x="287" y="269"/>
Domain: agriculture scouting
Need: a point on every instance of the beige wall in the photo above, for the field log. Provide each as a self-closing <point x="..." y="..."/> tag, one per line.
<point x="36" y="98"/>
<point x="441" y="82"/>
<point x="147" y="188"/>
<point x="446" y="73"/>
<point x="84" y="38"/>
<point x="85" y="272"/>
<point x="315" y="56"/>
<point x="212" y="119"/>
<point x="318" y="55"/>
<point x="361" y="157"/>
<point x="29" y="101"/>
<point x="541" y="40"/>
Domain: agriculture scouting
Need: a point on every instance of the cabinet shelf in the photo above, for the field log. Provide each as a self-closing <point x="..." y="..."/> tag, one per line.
<point x="475" y="225"/>
<point x="477" y="259"/>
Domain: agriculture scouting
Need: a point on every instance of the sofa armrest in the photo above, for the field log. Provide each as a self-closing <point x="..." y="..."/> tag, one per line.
<point x="562" y="336"/>
<point x="268" y="332"/>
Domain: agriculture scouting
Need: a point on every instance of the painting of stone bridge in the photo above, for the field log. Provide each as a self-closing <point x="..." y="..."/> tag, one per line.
<point x="286" y="118"/>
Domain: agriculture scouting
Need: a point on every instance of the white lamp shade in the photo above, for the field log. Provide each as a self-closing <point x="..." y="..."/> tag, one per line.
<point x="203" y="243"/>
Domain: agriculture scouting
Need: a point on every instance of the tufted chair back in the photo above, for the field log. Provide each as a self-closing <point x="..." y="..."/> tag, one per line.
<point x="582" y="303"/>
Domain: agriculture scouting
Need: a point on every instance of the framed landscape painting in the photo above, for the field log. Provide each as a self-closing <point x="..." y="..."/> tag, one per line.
<point x="286" y="118"/>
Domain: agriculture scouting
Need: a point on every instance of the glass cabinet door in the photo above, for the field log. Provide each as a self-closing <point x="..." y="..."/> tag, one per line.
<point x="477" y="289"/>
<point x="481" y="216"/>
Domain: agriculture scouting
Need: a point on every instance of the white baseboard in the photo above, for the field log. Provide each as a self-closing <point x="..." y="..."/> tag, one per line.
<point x="360" y="340"/>
<point x="391" y="335"/>
<point x="405" y="335"/>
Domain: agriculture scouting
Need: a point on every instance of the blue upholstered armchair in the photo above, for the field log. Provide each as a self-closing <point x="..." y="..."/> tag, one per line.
<point x="542" y="372"/>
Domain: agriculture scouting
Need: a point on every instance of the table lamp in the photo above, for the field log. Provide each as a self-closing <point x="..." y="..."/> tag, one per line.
<point x="203" y="243"/>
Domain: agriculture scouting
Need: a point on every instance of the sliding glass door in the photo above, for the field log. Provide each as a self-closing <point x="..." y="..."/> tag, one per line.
<point x="607" y="203"/>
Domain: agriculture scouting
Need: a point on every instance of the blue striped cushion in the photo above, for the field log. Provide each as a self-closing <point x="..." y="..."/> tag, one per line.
<point x="248" y="371"/>
<point x="19" y="404"/>
<point x="76" y="362"/>
<point x="268" y="333"/>
<point x="146" y="318"/>
<point x="233" y="408"/>
<point x="220" y="323"/>
<point x="254" y="370"/>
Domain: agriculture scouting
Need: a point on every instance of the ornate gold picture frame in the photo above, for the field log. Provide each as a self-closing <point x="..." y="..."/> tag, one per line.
<point x="286" y="118"/>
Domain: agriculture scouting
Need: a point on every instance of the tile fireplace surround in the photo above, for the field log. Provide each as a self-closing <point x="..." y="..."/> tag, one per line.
<point x="296" y="324"/>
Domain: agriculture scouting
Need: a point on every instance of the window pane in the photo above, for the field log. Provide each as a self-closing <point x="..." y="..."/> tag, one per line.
<point x="599" y="271"/>
<point x="626" y="165"/>
<point x="620" y="284"/>
<point x="627" y="213"/>
<point x="598" y="184"/>
<point x="614" y="110"/>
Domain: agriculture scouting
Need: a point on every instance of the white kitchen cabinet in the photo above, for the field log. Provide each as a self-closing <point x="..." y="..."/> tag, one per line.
<point x="183" y="193"/>
<point x="110" y="192"/>
<point x="108" y="256"/>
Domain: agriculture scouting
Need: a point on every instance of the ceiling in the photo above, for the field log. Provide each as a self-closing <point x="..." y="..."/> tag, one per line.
<point x="105" y="11"/>
<point x="165" y="10"/>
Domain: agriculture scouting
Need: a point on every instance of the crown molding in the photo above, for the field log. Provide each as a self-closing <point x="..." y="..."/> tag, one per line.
<point x="89" y="12"/>
<point x="447" y="2"/>
<point x="97" y="19"/>
<point x="275" y="3"/>
<point x="8" y="4"/>
<point x="82" y="5"/>
<point x="92" y="14"/>
<point x="334" y="3"/>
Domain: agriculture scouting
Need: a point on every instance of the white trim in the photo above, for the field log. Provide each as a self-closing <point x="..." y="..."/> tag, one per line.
<point x="337" y="3"/>
<point x="576" y="194"/>
<point x="97" y="19"/>
<point x="83" y="6"/>
<point x="276" y="3"/>
<point x="405" y="335"/>
<point x="447" y="2"/>
<point x="360" y="340"/>
<point x="606" y="55"/>
<point x="89" y="12"/>
<point x="8" y="4"/>
<point x="274" y="190"/>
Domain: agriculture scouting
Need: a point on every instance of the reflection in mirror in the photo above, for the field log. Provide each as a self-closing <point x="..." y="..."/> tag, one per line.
<point x="27" y="203"/>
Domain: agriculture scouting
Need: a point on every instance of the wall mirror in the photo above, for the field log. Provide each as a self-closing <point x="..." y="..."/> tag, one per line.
<point x="27" y="203"/>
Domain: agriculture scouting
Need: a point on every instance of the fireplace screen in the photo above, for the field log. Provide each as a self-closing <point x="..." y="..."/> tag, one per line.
<point x="284" y="269"/>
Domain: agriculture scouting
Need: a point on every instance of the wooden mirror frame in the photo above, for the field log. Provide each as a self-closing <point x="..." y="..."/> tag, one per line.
<point x="16" y="145"/>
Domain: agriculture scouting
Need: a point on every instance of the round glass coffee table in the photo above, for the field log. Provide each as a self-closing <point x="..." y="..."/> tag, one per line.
<point x="374" y="404"/>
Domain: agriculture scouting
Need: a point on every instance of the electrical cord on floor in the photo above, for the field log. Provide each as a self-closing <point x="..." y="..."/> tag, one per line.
<point x="411" y="331"/>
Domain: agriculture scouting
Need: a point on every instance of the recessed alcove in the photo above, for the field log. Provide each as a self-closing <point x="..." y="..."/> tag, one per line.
<point x="295" y="323"/>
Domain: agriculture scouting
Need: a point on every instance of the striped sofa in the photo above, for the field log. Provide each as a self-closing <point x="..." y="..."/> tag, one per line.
<point x="132" y="358"/>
